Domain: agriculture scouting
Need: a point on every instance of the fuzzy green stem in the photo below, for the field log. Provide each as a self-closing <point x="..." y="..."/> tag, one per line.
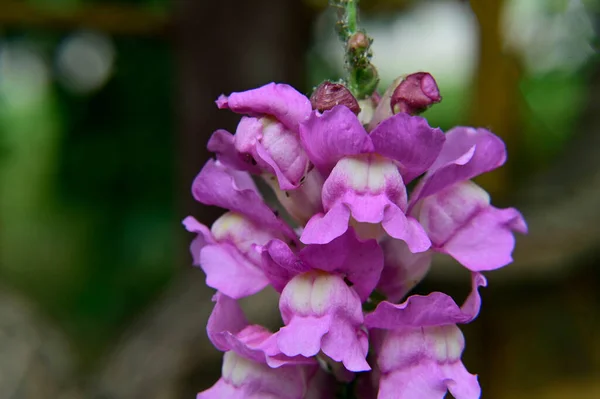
<point x="362" y="77"/>
<point x="352" y="14"/>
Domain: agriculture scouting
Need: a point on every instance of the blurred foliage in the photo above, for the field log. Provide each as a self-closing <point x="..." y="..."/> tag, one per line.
<point x="88" y="211"/>
<point x="553" y="104"/>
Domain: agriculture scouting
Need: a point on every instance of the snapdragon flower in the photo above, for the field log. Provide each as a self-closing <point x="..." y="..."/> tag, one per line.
<point x="366" y="174"/>
<point x="267" y="143"/>
<point x="361" y="236"/>
<point x="252" y="366"/>
<point x="227" y="252"/>
<point x="322" y="290"/>
<point x="340" y="163"/>
<point x="418" y="346"/>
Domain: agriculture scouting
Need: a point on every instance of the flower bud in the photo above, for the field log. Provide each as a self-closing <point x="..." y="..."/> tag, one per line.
<point x="329" y="94"/>
<point x="415" y="94"/>
<point x="358" y="41"/>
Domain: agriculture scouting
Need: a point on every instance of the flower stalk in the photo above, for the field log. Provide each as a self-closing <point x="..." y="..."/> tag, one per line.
<point x="362" y="77"/>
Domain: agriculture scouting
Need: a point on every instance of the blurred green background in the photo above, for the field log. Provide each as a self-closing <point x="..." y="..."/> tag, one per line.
<point x="105" y="108"/>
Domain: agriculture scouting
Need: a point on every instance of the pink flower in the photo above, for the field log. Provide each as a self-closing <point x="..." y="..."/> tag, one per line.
<point x="322" y="290"/>
<point x="252" y="367"/>
<point x="457" y="214"/>
<point x="228" y="251"/>
<point x="418" y="346"/>
<point x="229" y="330"/>
<point x="267" y="140"/>
<point x="367" y="172"/>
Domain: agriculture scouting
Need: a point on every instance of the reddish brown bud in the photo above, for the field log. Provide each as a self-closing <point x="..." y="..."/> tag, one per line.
<point x="328" y="95"/>
<point x="415" y="94"/>
<point x="358" y="41"/>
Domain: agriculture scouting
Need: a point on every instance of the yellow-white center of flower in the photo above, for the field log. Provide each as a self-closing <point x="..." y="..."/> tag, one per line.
<point x="446" y="342"/>
<point x="367" y="172"/>
<point x="240" y="231"/>
<point x="311" y="293"/>
<point x="228" y="222"/>
<point x="236" y="369"/>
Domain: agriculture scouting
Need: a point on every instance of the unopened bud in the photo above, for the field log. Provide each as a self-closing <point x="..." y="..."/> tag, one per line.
<point x="328" y="95"/>
<point x="415" y="94"/>
<point x="358" y="41"/>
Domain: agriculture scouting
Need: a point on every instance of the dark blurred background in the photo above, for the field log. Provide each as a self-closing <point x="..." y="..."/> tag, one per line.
<point x="105" y="109"/>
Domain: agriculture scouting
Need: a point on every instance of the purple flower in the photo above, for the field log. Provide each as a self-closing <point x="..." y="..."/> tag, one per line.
<point x="461" y="222"/>
<point x="322" y="290"/>
<point x="228" y="251"/>
<point x="252" y="365"/>
<point x="267" y="141"/>
<point x="366" y="173"/>
<point x="418" y="346"/>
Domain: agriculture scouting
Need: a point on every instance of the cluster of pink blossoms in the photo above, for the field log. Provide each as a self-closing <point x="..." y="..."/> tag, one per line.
<point x="340" y="168"/>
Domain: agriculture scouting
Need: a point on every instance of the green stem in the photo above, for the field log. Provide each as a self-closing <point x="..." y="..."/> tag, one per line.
<point x="362" y="77"/>
<point x="352" y="15"/>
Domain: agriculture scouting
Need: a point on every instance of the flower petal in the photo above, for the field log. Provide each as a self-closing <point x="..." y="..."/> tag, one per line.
<point x="487" y="241"/>
<point x="302" y="336"/>
<point x="461" y="383"/>
<point x="314" y="305"/>
<point x="347" y="344"/>
<point x="281" y="264"/>
<point x="303" y="202"/>
<point x="360" y="261"/>
<point x="419" y="382"/>
<point x="410" y="141"/>
<point x="467" y="152"/>
<point x="322" y="229"/>
<point x="245" y="379"/>
<point x="405" y="228"/>
<point x="230" y="272"/>
<point x="447" y="211"/>
<point x="274" y="148"/>
<point x="329" y="137"/>
<point x="228" y="330"/>
<point x="430" y="381"/>
<point x="227" y="316"/>
<point x="402" y="269"/>
<point x="203" y="238"/>
<point x="222" y="144"/>
<point x="432" y="310"/>
<point x="281" y="101"/>
<point x="286" y="180"/>
<point x="371" y="188"/>
<point x="220" y="186"/>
